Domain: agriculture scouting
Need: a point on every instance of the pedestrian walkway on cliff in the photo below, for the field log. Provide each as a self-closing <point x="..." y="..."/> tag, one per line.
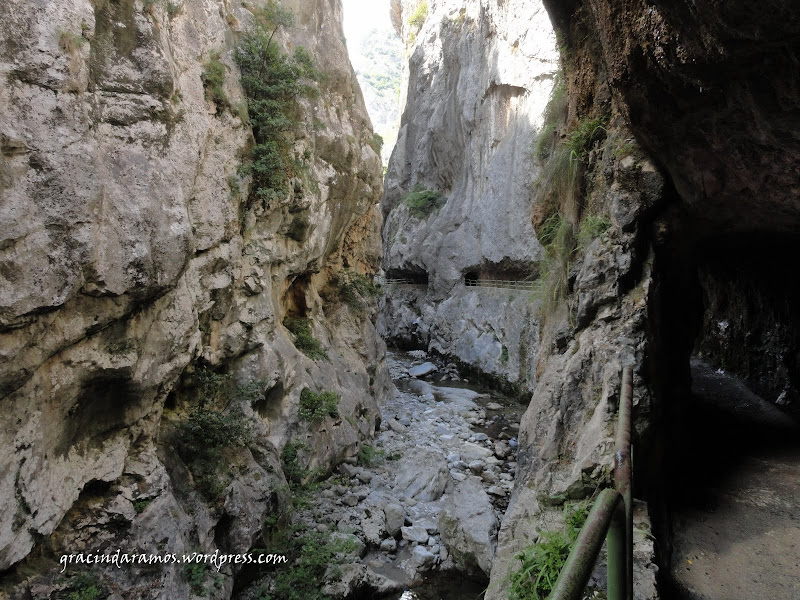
<point x="736" y="505"/>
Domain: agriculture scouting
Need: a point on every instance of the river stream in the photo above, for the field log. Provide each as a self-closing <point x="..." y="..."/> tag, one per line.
<point x="444" y="446"/>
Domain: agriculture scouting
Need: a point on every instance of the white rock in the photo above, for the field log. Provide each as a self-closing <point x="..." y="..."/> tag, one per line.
<point x="424" y="369"/>
<point x="414" y="533"/>
<point x="422" y="476"/>
<point x="468" y="525"/>
<point x="395" y="517"/>
<point x="422" y="558"/>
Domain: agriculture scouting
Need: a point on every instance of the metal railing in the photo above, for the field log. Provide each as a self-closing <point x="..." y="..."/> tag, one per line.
<point x="502" y="284"/>
<point x="401" y="282"/>
<point x="612" y="517"/>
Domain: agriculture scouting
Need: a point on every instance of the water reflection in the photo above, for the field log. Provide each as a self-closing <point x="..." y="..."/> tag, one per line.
<point x="449" y="585"/>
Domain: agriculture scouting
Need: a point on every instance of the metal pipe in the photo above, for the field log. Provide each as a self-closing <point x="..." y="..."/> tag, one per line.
<point x="623" y="470"/>
<point x="617" y="564"/>
<point x="608" y="510"/>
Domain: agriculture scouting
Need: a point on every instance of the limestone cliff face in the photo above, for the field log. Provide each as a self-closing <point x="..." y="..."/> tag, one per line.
<point x="474" y="131"/>
<point x="130" y="252"/>
<point x="692" y="258"/>
<point x="479" y="77"/>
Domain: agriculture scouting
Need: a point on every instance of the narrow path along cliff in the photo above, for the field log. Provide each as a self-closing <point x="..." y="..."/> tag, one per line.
<point x="736" y="516"/>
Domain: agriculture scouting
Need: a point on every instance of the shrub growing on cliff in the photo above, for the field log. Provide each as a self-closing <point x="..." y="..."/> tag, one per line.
<point x="315" y="407"/>
<point x="84" y="587"/>
<point x="70" y="42"/>
<point x="369" y="456"/>
<point x="272" y="81"/>
<point x="313" y="555"/>
<point x="213" y="77"/>
<point x="354" y="289"/>
<point x="304" y="340"/>
<point x="376" y="143"/>
<point x="421" y="202"/>
<point x="200" y="441"/>
<point x="418" y="16"/>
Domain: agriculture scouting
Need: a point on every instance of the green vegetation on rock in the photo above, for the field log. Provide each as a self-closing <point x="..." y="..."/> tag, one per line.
<point x="569" y="225"/>
<point x="418" y="17"/>
<point x="304" y="340"/>
<point x="354" y="289"/>
<point x="207" y="431"/>
<point x="200" y="441"/>
<point x="376" y="143"/>
<point x="592" y="226"/>
<point x="213" y="77"/>
<point x="541" y="562"/>
<point x="369" y="456"/>
<point x="313" y="555"/>
<point x="315" y="407"/>
<point x="421" y="202"/>
<point x="273" y="82"/>
<point x="557" y="236"/>
<point x="84" y="587"/>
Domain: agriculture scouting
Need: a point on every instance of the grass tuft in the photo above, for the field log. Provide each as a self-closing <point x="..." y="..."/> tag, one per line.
<point x="541" y="562"/>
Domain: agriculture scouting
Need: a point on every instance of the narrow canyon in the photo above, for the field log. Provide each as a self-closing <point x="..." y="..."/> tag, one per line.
<point x="260" y="342"/>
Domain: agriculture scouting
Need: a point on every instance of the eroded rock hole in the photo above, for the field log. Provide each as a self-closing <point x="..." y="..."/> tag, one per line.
<point x="269" y="406"/>
<point x="294" y="302"/>
<point x="98" y="410"/>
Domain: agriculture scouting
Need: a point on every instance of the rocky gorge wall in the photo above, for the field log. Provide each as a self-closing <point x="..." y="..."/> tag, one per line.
<point x="698" y="140"/>
<point x="478" y="79"/>
<point x="537" y="177"/>
<point x="136" y="267"/>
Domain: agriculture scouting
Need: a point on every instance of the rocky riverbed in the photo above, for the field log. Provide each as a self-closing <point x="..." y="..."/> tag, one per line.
<point x="427" y="496"/>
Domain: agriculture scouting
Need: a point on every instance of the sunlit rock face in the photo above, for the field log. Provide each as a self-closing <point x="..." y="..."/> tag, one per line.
<point x="479" y="77"/>
<point x="131" y="249"/>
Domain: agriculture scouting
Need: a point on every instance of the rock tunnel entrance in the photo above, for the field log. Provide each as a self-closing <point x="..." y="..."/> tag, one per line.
<point x="407" y="276"/>
<point x="730" y="473"/>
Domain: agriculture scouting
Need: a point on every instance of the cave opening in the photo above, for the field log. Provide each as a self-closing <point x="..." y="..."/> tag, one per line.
<point x="407" y="276"/>
<point x="726" y="489"/>
<point x="503" y="273"/>
<point x="295" y="304"/>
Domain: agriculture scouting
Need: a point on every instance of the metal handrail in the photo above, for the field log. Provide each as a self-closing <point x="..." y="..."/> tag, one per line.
<point x="401" y="282"/>
<point x="509" y="284"/>
<point x="612" y="516"/>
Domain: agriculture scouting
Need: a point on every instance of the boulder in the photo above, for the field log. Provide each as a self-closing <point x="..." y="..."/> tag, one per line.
<point x="425" y="368"/>
<point x="374" y="527"/>
<point x="395" y="517"/>
<point x="423" y="476"/>
<point x="422" y="558"/>
<point x="470" y="452"/>
<point x="415" y="533"/>
<point x="468" y="526"/>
